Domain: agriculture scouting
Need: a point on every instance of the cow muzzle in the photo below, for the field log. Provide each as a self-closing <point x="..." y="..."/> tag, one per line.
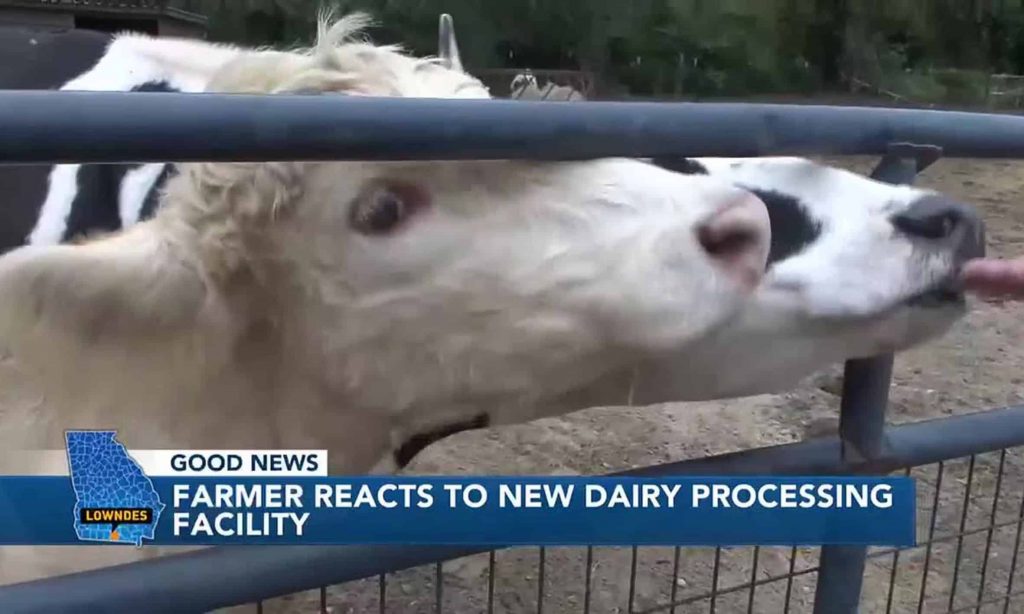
<point x="944" y="221"/>
<point x="946" y="224"/>
<point x="737" y="237"/>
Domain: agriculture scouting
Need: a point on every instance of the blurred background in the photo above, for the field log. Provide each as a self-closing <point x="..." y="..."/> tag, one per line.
<point x="967" y="53"/>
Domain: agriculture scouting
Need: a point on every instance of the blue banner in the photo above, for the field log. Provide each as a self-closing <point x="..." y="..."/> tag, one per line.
<point x="552" y="511"/>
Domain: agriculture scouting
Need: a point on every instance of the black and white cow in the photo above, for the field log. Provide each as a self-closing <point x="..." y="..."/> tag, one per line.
<point x="37" y="59"/>
<point x="64" y="202"/>
<point x="857" y="267"/>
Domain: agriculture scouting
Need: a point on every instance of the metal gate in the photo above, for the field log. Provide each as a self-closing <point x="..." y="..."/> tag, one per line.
<point x="140" y="127"/>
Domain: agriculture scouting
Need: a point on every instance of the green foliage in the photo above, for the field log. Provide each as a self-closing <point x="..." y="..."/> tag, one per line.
<point x="690" y="48"/>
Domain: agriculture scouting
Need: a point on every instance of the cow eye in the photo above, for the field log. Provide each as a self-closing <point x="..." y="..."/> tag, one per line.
<point x="379" y="211"/>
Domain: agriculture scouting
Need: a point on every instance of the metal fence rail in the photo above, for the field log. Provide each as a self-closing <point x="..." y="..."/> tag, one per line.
<point x="865" y="398"/>
<point x="779" y="579"/>
<point x="969" y="522"/>
<point x="161" y="127"/>
<point x="137" y="127"/>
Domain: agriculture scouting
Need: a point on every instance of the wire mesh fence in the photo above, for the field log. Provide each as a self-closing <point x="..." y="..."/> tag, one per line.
<point x="967" y="559"/>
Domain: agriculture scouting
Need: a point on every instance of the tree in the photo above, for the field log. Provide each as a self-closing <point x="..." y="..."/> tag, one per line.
<point x="683" y="47"/>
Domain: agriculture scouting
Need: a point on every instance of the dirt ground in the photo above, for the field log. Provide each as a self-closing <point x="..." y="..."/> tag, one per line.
<point x="977" y="365"/>
<point x="980" y="364"/>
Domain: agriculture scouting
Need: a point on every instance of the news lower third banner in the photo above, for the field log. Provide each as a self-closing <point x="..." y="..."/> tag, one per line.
<point x="107" y="496"/>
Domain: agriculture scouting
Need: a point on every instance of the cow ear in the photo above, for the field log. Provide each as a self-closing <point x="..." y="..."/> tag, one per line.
<point x="118" y="290"/>
<point x="447" y="46"/>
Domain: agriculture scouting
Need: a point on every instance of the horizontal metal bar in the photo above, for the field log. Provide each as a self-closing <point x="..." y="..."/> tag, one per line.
<point x="906" y="445"/>
<point x="52" y="126"/>
<point x="218" y="577"/>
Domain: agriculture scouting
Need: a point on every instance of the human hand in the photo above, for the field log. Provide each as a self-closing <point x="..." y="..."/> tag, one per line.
<point x="997" y="279"/>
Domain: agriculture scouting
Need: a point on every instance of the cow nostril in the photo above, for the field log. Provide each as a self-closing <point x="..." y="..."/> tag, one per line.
<point x="736" y="239"/>
<point x="726" y="243"/>
<point x="936" y="226"/>
<point x="935" y="217"/>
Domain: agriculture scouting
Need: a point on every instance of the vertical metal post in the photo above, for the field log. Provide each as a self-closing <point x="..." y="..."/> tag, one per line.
<point x="862" y="413"/>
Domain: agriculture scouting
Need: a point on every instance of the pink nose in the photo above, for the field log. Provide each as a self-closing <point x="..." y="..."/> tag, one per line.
<point x="737" y="238"/>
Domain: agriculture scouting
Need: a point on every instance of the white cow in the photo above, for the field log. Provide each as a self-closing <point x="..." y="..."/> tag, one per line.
<point x="352" y="306"/>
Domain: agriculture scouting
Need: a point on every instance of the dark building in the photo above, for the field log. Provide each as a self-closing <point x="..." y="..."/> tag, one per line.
<point x="154" y="17"/>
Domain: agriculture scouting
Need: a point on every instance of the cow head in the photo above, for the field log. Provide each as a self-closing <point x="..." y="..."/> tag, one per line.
<point x="857" y="268"/>
<point x="417" y="293"/>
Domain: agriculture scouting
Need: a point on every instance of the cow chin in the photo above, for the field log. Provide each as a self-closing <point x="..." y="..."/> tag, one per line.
<point x="900" y="324"/>
<point x="914" y="316"/>
<point x="910" y="324"/>
<point x="775" y="343"/>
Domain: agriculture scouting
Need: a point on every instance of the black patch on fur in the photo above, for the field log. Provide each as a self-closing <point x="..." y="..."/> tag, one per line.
<point x="793" y="229"/>
<point x="95" y="207"/>
<point x="686" y="166"/>
<point x="415" y="444"/>
<point x="153" y="196"/>
<point x="155" y="86"/>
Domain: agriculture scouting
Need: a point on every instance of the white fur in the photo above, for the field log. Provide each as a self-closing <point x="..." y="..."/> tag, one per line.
<point x="134" y="59"/>
<point x="249" y="314"/>
<point x="135" y="186"/>
<point x="53" y="215"/>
